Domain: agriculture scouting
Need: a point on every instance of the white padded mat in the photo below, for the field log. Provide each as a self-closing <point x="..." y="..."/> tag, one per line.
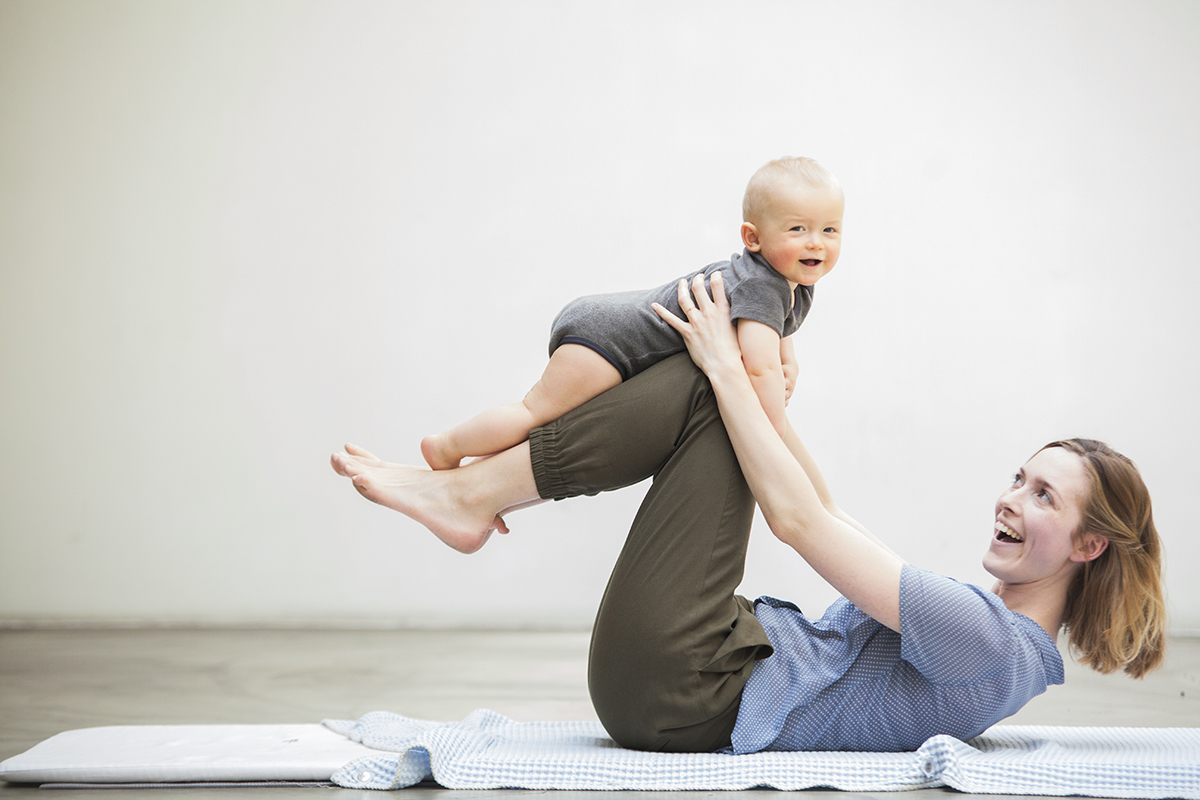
<point x="185" y="753"/>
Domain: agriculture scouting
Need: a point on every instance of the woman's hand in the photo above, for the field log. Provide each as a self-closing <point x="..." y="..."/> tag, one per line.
<point x="710" y="337"/>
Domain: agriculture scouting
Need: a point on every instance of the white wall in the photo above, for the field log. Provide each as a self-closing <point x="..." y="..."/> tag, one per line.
<point x="234" y="235"/>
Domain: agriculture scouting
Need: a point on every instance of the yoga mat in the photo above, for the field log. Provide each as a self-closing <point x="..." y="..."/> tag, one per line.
<point x="485" y="750"/>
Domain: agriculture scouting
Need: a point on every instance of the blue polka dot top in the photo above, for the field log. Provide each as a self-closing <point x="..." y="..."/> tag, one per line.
<point x="846" y="682"/>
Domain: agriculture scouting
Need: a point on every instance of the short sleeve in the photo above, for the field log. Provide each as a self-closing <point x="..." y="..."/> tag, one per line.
<point x="954" y="633"/>
<point x="762" y="300"/>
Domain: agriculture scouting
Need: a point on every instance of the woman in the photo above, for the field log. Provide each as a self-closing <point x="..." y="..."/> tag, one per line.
<point x="679" y="662"/>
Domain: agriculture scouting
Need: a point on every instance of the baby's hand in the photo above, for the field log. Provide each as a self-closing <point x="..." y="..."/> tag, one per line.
<point x="791" y="371"/>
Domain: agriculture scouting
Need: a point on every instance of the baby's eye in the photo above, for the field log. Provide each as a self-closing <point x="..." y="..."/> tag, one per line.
<point x="831" y="230"/>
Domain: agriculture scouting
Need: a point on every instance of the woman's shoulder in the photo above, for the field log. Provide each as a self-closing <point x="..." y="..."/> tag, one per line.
<point x="930" y="586"/>
<point x="945" y="621"/>
<point x="931" y="599"/>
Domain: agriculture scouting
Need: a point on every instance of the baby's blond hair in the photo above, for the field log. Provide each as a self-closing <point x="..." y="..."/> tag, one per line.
<point x="796" y="169"/>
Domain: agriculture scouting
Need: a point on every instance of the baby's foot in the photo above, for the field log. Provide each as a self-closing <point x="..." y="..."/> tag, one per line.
<point x="436" y="452"/>
<point x="430" y="498"/>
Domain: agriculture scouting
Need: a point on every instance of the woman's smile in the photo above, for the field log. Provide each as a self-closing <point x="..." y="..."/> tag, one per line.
<point x="1037" y="519"/>
<point x="1007" y="535"/>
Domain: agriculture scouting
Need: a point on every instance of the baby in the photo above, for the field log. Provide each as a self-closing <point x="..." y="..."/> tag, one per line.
<point x="792" y="228"/>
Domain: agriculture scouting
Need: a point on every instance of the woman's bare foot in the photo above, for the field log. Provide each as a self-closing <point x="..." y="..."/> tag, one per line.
<point x="361" y="453"/>
<point x="436" y="452"/>
<point x="437" y="500"/>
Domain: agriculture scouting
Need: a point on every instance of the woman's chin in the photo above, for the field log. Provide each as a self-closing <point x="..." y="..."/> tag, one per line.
<point x="996" y="564"/>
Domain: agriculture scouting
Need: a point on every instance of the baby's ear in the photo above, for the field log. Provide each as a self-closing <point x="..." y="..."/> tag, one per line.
<point x="1089" y="547"/>
<point x="750" y="237"/>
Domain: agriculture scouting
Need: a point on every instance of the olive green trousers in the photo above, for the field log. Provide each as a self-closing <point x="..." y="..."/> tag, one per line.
<point x="673" y="646"/>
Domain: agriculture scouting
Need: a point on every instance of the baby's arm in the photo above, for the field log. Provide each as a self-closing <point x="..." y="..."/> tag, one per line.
<point x="791" y="367"/>
<point x="761" y="355"/>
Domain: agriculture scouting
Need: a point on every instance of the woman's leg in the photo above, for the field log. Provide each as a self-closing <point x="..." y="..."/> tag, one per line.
<point x="672" y="646"/>
<point x="462" y="507"/>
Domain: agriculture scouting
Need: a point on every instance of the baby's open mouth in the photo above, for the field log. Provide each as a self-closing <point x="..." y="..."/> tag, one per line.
<point x="810" y="262"/>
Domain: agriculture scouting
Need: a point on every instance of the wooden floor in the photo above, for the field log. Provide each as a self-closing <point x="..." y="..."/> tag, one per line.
<point x="51" y="681"/>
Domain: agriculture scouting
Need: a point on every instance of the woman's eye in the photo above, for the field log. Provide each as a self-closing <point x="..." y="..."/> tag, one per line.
<point x="1044" y="496"/>
<point x="1016" y="479"/>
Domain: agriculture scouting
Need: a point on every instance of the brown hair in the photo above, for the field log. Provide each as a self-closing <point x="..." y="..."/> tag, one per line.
<point x="760" y="190"/>
<point x="1115" y="614"/>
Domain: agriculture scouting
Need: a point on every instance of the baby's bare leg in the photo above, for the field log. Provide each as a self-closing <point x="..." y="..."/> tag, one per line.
<point x="462" y="508"/>
<point x="574" y="375"/>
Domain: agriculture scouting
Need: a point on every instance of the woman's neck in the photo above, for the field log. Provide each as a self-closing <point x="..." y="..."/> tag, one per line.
<point x="1044" y="603"/>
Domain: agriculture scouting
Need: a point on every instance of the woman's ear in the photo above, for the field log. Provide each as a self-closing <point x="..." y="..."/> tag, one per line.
<point x="750" y="237"/>
<point x="1089" y="547"/>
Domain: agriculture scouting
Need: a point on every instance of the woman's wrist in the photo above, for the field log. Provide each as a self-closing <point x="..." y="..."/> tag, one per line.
<point x="729" y="378"/>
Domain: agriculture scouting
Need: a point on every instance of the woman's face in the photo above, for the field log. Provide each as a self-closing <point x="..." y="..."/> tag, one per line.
<point x="1036" y="519"/>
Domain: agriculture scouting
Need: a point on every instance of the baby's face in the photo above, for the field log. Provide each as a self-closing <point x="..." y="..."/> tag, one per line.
<point x="800" y="235"/>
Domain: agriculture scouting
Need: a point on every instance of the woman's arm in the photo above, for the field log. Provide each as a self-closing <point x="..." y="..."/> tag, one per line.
<point x="853" y="562"/>
<point x="801" y="454"/>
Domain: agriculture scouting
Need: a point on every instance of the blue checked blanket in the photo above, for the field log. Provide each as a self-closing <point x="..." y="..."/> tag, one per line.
<point x="489" y="751"/>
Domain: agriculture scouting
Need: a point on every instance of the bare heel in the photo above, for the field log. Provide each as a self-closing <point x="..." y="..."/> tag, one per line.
<point x="433" y="451"/>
